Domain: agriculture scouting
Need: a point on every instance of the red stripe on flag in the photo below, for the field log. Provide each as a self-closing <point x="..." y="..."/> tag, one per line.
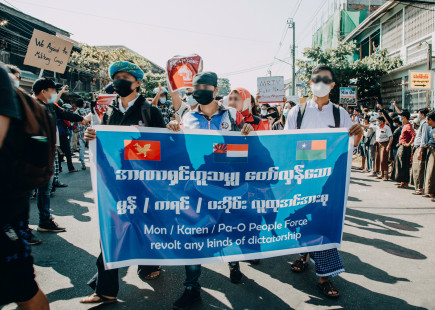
<point x="237" y="147"/>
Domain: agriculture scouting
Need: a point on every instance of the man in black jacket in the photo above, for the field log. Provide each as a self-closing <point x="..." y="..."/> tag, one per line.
<point x="45" y="92"/>
<point x="130" y="109"/>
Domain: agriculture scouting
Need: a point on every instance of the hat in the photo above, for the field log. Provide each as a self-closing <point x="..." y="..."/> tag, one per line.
<point x="207" y="78"/>
<point x="41" y="84"/>
<point x="245" y="96"/>
<point x="405" y="114"/>
<point x="126" y="66"/>
<point x="156" y="90"/>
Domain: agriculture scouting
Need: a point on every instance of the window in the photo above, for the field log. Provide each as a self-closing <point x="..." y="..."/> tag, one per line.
<point x="392" y="33"/>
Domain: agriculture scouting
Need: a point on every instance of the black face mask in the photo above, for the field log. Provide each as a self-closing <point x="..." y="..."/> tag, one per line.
<point x="122" y="87"/>
<point x="203" y="96"/>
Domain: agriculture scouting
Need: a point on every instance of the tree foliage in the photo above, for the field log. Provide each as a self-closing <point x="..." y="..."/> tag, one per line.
<point x="364" y="74"/>
<point x="224" y="86"/>
<point x="95" y="62"/>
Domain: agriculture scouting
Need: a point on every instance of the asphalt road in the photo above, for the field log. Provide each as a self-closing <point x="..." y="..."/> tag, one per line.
<point x="388" y="252"/>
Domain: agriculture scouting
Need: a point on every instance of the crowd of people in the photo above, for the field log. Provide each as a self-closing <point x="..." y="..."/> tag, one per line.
<point x="385" y="142"/>
<point x="398" y="145"/>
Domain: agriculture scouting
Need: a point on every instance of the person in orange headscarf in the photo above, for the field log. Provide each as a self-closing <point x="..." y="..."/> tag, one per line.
<point x="240" y="99"/>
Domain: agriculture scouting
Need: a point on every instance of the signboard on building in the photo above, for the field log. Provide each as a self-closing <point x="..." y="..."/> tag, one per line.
<point x="270" y="89"/>
<point x="48" y="52"/>
<point x="348" y="96"/>
<point x="420" y="80"/>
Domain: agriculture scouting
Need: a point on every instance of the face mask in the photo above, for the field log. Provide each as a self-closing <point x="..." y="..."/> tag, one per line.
<point x="52" y="99"/>
<point x="191" y="101"/>
<point x="285" y="112"/>
<point x="162" y="100"/>
<point x="320" y="89"/>
<point x="203" y="96"/>
<point x="263" y="112"/>
<point x="16" y="83"/>
<point x="122" y="87"/>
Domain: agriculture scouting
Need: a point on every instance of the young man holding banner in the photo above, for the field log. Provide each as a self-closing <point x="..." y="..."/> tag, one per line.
<point x="128" y="110"/>
<point x="212" y="116"/>
<point x="320" y="112"/>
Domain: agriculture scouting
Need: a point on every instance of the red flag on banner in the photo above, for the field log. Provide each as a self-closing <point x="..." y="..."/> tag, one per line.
<point x="181" y="69"/>
<point x="141" y="150"/>
<point x="103" y="101"/>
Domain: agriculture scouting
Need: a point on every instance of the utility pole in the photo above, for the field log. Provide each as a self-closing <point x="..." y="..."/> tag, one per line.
<point x="291" y="24"/>
<point x="429" y="67"/>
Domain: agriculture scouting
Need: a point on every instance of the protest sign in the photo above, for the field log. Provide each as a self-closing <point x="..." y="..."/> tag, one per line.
<point x="48" y="52"/>
<point x="103" y="101"/>
<point x="270" y="89"/>
<point x="348" y="96"/>
<point x="181" y="69"/>
<point x="200" y="196"/>
<point x="420" y="80"/>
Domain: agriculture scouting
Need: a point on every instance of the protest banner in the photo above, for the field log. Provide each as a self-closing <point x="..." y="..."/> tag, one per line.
<point x="348" y="96"/>
<point x="103" y="101"/>
<point x="270" y="89"/>
<point x="48" y="52"/>
<point x="181" y="69"/>
<point x="200" y="196"/>
<point x="420" y="80"/>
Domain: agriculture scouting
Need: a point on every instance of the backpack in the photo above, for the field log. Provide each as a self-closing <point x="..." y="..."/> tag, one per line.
<point x="301" y="112"/>
<point x="35" y="156"/>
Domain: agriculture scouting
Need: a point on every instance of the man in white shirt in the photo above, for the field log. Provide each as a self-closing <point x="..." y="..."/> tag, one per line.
<point x="384" y="139"/>
<point x="320" y="112"/>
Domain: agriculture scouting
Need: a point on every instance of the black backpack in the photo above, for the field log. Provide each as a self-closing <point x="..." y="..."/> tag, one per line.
<point x="36" y="145"/>
<point x="301" y="112"/>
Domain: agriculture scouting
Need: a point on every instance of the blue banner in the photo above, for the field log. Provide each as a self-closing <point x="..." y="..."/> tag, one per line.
<point x="200" y="196"/>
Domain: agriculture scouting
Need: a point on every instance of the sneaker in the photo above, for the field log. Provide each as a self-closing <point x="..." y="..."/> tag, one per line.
<point x="373" y="174"/>
<point x="190" y="297"/>
<point x="235" y="274"/>
<point x="31" y="238"/>
<point x="83" y="167"/>
<point x="52" y="226"/>
<point x="60" y="184"/>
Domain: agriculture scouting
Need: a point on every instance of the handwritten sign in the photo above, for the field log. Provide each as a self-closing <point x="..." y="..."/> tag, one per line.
<point x="270" y="89"/>
<point x="48" y="52"/>
<point x="103" y="102"/>
<point x="421" y="80"/>
<point x="181" y="69"/>
<point x="348" y="96"/>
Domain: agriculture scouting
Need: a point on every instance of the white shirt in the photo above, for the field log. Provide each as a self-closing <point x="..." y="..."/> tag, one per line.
<point x="383" y="134"/>
<point x="121" y="108"/>
<point x="314" y="118"/>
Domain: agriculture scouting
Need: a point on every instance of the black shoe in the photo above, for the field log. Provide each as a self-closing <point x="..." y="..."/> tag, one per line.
<point x="74" y="170"/>
<point x="190" y="297"/>
<point x="235" y="274"/>
<point x="60" y="184"/>
<point x="30" y="238"/>
<point x="51" y="227"/>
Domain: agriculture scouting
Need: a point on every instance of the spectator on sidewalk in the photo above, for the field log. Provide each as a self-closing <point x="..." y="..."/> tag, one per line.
<point x="403" y="159"/>
<point x="420" y="153"/>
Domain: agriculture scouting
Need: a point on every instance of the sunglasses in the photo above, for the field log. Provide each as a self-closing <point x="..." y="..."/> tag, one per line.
<point x="317" y="79"/>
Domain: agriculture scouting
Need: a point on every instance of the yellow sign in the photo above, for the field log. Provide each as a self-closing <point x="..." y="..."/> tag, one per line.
<point x="421" y="80"/>
<point x="48" y="52"/>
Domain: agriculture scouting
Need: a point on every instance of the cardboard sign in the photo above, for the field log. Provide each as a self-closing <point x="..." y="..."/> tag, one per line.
<point x="421" y="80"/>
<point x="270" y="89"/>
<point x="48" y="52"/>
<point x="348" y="96"/>
<point x="181" y="69"/>
<point x="103" y="101"/>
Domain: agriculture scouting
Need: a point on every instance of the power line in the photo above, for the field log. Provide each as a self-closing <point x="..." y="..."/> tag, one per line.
<point x="141" y="23"/>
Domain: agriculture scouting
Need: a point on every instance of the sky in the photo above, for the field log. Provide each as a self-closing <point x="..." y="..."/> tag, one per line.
<point x="237" y="39"/>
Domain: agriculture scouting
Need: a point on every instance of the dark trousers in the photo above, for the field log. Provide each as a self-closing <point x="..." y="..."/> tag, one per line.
<point x="66" y="149"/>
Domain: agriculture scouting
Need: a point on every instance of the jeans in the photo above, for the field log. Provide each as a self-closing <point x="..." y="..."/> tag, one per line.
<point x="371" y="154"/>
<point x="65" y="147"/>
<point x="193" y="272"/>
<point x="82" y="144"/>
<point x="43" y="202"/>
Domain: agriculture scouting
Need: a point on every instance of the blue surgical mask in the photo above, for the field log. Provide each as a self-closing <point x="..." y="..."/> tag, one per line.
<point x="285" y="112"/>
<point x="162" y="100"/>
<point x="52" y="99"/>
<point x="191" y="101"/>
<point x="263" y="112"/>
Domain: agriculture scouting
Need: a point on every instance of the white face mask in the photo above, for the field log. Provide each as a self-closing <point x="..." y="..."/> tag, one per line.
<point x="162" y="100"/>
<point x="320" y="89"/>
<point x="285" y="112"/>
<point x="52" y="99"/>
<point x="191" y="101"/>
<point x="263" y="112"/>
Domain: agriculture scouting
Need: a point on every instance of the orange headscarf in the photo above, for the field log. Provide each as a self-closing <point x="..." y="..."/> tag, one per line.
<point x="246" y="99"/>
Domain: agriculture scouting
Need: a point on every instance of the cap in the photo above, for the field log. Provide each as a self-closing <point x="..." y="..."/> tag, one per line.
<point x="156" y="90"/>
<point x="207" y="78"/>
